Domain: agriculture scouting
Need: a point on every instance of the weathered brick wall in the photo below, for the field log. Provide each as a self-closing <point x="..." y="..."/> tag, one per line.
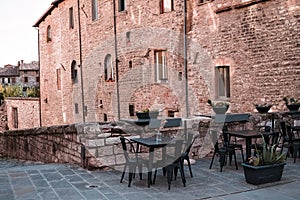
<point x="257" y="39"/>
<point x="28" y="110"/>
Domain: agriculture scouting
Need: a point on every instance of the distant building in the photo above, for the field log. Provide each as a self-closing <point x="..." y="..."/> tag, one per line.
<point x="24" y="74"/>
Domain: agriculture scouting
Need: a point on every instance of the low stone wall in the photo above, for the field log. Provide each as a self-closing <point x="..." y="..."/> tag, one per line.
<point x="97" y="145"/>
<point x="56" y="144"/>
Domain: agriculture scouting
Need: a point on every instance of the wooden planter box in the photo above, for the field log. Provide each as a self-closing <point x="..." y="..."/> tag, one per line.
<point x="263" y="174"/>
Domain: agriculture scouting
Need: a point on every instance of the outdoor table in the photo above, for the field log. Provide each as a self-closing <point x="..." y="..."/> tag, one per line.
<point x="248" y="135"/>
<point x="152" y="144"/>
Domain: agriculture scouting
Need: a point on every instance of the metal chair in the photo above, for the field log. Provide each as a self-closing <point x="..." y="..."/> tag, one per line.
<point x="223" y="150"/>
<point x="132" y="162"/>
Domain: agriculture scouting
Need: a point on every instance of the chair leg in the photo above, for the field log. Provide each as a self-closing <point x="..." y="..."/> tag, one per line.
<point x="212" y="160"/>
<point x="190" y="168"/>
<point x="182" y="173"/>
<point x="123" y="174"/>
<point x="140" y="171"/>
<point x="242" y="152"/>
<point x="154" y="178"/>
<point x="222" y="161"/>
<point x="234" y="155"/>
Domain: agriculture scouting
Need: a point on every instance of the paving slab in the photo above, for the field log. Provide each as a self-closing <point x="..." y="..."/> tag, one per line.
<point x="28" y="180"/>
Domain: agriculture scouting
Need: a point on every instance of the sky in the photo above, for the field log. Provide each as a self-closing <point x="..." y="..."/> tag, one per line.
<point x="18" y="39"/>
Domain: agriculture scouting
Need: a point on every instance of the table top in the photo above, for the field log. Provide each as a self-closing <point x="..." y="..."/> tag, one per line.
<point x="247" y="133"/>
<point x="152" y="142"/>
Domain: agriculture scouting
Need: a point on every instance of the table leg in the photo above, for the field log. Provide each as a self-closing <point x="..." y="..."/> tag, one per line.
<point x="248" y="148"/>
<point x="151" y="157"/>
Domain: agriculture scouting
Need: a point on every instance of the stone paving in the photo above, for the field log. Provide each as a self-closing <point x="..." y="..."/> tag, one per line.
<point x="32" y="181"/>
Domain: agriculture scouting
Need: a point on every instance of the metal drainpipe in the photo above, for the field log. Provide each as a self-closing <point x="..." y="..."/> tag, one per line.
<point x="80" y="62"/>
<point x="39" y="56"/>
<point x="116" y="58"/>
<point x="185" y="60"/>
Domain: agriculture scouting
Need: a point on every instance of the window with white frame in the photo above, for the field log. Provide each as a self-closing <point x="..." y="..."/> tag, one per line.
<point x="161" y="66"/>
<point x="222" y="81"/>
<point x="108" y="68"/>
<point x="122" y="5"/>
<point x="166" y="6"/>
<point x="94" y="10"/>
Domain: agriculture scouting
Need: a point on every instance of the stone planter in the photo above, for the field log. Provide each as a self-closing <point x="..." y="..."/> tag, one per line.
<point x="220" y="110"/>
<point x="263" y="174"/>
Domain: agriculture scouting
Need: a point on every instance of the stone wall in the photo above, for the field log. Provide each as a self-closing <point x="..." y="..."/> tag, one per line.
<point x="28" y="112"/>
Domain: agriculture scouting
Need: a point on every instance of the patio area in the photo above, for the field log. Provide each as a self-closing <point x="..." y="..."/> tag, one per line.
<point x="27" y="180"/>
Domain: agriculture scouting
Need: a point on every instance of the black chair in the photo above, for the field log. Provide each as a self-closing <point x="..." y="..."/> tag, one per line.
<point x="188" y="145"/>
<point x="132" y="162"/>
<point x="171" y="164"/>
<point x="233" y="144"/>
<point x="270" y="138"/>
<point x="289" y="140"/>
<point x="223" y="150"/>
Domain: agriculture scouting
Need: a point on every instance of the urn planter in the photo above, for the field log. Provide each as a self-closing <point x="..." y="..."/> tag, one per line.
<point x="263" y="174"/>
<point x="220" y="110"/>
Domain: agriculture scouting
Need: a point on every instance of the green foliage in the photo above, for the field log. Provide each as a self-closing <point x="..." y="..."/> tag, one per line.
<point x="33" y="92"/>
<point x="290" y="101"/>
<point x="13" y="91"/>
<point x="268" y="156"/>
<point x="17" y="91"/>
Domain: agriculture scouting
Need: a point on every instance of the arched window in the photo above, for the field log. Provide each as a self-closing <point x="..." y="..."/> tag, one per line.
<point x="49" y="37"/>
<point x="73" y="71"/>
<point x="108" y="68"/>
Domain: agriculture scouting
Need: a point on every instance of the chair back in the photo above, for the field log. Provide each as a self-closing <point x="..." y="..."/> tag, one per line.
<point x="189" y="143"/>
<point x="124" y="142"/>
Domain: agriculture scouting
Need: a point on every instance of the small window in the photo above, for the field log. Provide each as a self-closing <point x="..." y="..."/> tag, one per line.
<point x="13" y="80"/>
<point x="76" y="108"/>
<point x="180" y="76"/>
<point x="223" y="81"/>
<point x="25" y="80"/>
<point x="128" y="38"/>
<point x="131" y="110"/>
<point x="94" y="10"/>
<point x="108" y="68"/>
<point x="73" y="71"/>
<point x="37" y="79"/>
<point x="58" y="77"/>
<point x="122" y="5"/>
<point x="71" y="17"/>
<point x="161" y="66"/>
<point x="166" y="6"/>
<point x="130" y="64"/>
<point x="49" y="36"/>
<point x="105" y="117"/>
<point x="15" y="117"/>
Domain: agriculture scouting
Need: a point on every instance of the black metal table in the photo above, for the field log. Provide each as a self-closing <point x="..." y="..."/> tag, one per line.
<point x="152" y="143"/>
<point x="248" y="135"/>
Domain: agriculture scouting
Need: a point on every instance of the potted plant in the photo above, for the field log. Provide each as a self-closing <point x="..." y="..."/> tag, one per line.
<point x="147" y="114"/>
<point x="292" y="103"/>
<point x="263" y="107"/>
<point x="266" y="166"/>
<point x="219" y="107"/>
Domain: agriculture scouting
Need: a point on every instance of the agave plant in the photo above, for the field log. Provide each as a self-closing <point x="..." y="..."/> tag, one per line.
<point x="268" y="156"/>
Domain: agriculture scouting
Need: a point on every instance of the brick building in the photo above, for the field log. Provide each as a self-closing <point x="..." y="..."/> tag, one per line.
<point x="104" y="60"/>
<point x="24" y="74"/>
